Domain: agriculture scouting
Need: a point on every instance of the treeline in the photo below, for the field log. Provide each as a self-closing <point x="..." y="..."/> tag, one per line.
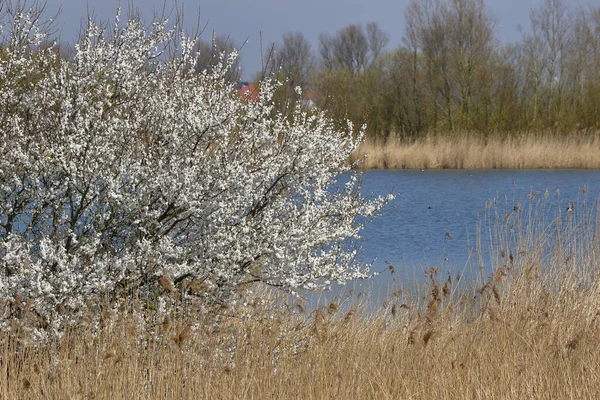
<point x="452" y="74"/>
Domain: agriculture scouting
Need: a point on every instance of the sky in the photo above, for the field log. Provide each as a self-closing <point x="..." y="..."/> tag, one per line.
<point x="246" y="21"/>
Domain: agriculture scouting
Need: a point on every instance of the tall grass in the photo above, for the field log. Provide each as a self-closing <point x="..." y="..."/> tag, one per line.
<point x="527" y="327"/>
<point x="477" y="152"/>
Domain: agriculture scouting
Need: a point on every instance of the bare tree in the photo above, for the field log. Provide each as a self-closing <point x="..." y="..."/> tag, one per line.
<point x="295" y="58"/>
<point x="352" y="48"/>
<point x="546" y="50"/>
<point x="210" y="54"/>
<point x="456" y="40"/>
<point x="378" y="39"/>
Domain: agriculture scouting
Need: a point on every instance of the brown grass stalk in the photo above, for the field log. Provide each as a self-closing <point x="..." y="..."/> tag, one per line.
<point x="465" y="151"/>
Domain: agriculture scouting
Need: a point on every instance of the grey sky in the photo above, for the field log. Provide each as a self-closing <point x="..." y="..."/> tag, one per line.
<point x="246" y="19"/>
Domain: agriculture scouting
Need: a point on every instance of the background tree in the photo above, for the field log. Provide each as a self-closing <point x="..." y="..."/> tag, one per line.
<point x="406" y="100"/>
<point x="348" y="49"/>
<point x="506" y="85"/>
<point x="352" y="48"/>
<point x="295" y="58"/>
<point x="378" y="40"/>
<point x="545" y="50"/>
<point x="352" y="78"/>
<point x="210" y="54"/>
<point x="456" y="41"/>
<point x="584" y="70"/>
<point x="451" y="74"/>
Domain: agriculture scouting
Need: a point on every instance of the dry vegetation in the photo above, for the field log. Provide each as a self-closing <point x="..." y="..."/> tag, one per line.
<point x="528" y="328"/>
<point x="476" y="152"/>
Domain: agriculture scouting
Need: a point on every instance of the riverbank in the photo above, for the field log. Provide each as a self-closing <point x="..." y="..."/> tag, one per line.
<point x="463" y="151"/>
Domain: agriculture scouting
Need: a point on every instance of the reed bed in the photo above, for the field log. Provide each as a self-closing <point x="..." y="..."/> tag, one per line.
<point x="525" y="325"/>
<point x="464" y="151"/>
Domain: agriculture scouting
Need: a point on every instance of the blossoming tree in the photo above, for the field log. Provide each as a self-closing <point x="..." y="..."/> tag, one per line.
<point x="123" y="169"/>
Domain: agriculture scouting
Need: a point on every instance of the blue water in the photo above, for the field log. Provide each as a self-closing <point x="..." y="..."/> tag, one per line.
<point x="433" y="222"/>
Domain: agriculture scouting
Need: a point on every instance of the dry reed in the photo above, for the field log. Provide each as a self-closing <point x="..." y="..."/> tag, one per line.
<point x="527" y="328"/>
<point x="464" y="151"/>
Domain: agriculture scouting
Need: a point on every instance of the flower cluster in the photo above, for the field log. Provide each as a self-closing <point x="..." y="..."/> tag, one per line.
<point x="123" y="170"/>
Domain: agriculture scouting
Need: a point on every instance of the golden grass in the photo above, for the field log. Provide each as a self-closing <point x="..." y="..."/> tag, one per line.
<point x="529" y="329"/>
<point x="465" y="151"/>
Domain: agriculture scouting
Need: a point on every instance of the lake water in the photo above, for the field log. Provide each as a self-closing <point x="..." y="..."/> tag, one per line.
<point x="412" y="233"/>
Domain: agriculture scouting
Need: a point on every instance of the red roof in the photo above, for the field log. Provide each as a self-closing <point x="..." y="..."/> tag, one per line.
<point x="312" y="95"/>
<point x="248" y="90"/>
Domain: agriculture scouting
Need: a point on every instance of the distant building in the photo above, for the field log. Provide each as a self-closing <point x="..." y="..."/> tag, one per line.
<point x="250" y="90"/>
<point x="310" y="99"/>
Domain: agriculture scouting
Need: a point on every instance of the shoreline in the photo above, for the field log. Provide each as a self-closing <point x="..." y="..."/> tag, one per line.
<point x="574" y="151"/>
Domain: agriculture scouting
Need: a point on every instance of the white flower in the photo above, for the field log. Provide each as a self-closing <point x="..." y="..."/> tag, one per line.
<point x="120" y="166"/>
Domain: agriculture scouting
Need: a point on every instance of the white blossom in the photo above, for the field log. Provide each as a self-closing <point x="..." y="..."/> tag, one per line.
<point x="123" y="165"/>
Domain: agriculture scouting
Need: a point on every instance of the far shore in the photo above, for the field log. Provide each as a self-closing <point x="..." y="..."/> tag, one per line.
<point x="575" y="151"/>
